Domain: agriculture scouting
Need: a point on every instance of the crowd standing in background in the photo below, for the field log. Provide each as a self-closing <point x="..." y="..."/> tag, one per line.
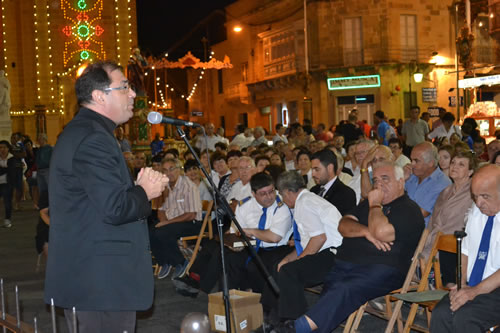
<point x="322" y="203"/>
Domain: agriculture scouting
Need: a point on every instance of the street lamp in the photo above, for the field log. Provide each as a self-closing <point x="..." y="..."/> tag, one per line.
<point x="237" y="28"/>
<point x="418" y="76"/>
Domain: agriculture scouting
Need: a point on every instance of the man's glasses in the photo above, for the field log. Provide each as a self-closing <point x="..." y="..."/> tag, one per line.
<point x="126" y="87"/>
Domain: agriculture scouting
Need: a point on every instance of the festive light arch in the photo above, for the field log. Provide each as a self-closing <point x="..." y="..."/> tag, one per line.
<point x="83" y="32"/>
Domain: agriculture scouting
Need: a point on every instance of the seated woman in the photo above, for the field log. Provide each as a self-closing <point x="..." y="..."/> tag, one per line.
<point x="451" y="209"/>
<point x="304" y="167"/>
<point x="445" y="153"/>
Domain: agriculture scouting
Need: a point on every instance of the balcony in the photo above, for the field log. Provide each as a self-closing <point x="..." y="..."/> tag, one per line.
<point x="236" y="92"/>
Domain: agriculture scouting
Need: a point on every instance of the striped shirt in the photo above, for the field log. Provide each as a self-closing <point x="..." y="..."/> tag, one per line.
<point x="183" y="198"/>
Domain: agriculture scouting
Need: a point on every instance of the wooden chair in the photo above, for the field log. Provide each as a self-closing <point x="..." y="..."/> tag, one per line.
<point x="424" y="297"/>
<point x="204" y="233"/>
<point x="392" y="315"/>
<point x="10" y="325"/>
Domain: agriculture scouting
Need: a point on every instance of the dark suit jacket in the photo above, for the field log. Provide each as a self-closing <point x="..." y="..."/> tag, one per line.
<point x="99" y="258"/>
<point x="340" y="195"/>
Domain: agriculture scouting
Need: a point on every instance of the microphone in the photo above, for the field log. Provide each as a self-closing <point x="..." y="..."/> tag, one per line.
<point x="158" y="118"/>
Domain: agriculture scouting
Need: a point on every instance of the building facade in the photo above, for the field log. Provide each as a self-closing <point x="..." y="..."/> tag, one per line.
<point x="360" y="55"/>
<point x="43" y="44"/>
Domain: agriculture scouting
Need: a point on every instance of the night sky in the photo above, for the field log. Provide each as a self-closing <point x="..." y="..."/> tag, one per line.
<point x="161" y="23"/>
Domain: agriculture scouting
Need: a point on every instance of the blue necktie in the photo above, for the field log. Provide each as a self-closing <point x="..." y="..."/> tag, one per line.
<point x="482" y="254"/>
<point x="296" y="238"/>
<point x="262" y="225"/>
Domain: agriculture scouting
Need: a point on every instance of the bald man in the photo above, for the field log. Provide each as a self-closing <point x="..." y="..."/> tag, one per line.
<point x="475" y="307"/>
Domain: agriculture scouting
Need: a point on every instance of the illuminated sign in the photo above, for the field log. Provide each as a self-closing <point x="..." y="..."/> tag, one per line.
<point x="479" y="81"/>
<point x="353" y="82"/>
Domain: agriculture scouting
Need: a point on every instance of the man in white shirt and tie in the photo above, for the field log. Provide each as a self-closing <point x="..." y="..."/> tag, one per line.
<point x="475" y="307"/>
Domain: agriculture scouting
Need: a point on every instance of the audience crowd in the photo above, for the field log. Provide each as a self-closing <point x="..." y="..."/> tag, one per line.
<point x="343" y="207"/>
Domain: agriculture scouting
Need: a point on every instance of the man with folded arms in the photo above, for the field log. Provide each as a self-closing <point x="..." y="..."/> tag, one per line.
<point x="380" y="237"/>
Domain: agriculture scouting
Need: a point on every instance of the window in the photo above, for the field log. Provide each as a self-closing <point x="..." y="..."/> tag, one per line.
<point x="353" y="41"/>
<point x="408" y="37"/>
<point x="244" y="72"/>
<point x="483" y="44"/>
<point x="279" y="46"/>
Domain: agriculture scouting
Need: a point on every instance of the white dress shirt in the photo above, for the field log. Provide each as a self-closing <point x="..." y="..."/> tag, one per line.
<point x="470" y="245"/>
<point x="240" y="191"/>
<point x="278" y="219"/>
<point x="315" y="216"/>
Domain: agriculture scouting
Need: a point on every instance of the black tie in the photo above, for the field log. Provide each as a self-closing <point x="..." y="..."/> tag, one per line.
<point x="321" y="191"/>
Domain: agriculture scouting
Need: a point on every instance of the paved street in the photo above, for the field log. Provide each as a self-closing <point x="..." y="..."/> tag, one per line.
<point x="18" y="259"/>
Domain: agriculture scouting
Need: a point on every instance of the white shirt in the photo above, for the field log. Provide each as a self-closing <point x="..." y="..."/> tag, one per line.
<point x="440" y="132"/>
<point x="278" y="137"/>
<point x="240" y="191"/>
<point x="242" y="141"/>
<point x="211" y="141"/>
<point x="278" y="219"/>
<point x="315" y="216"/>
<point x="216" y="177"/>
<point x="402" y="160"/>
<point x="355" y="183"/>
<point x="470" y="245"/>
<point x="290" y="165"/>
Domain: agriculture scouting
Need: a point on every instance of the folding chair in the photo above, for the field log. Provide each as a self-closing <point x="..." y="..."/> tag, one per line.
<point x="390" y="314"/>
<point x="423" y="297"/>
<point x="206" y="207"/>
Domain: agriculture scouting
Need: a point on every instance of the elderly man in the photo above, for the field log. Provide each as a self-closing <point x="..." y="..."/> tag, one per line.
<point x="324" y="172"/>
<point x="99" y="260"/>
<point x="378" y="154"/>
<point x="414" y="130"/>
<point x="241" y="189"/>
<point x="316" y="238"/>
<point x="280" y="134"/>
<point x="474" y="308"/>
<point x="180" y="215"/>
<point x="287" y="151"/>
<point x="210" y="140"/>
<point x="263" y="217"/>
<point x="361" y="151"/>
<point x="424" y="179"/>
<point x="380" y="237"/>
<point x="260" y="136"/>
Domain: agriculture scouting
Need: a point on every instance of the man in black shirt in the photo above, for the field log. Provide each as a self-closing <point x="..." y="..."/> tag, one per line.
<point x="380" y="237"/>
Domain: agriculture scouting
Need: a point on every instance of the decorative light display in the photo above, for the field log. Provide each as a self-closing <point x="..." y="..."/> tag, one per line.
<point x="128" y="28"/>
<point x="4" y="36"/>
<point x="83" y="30"/>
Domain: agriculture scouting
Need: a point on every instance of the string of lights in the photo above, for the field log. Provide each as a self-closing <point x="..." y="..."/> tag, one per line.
<point x="4" y="36"/>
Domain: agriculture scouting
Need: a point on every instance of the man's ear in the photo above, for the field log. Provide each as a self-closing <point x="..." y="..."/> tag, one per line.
<point x="98" y="96"/>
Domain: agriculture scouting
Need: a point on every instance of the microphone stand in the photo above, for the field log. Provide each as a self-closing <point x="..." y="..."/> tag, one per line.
<point x="459" y="234"/>
<point x="227" y="209"/>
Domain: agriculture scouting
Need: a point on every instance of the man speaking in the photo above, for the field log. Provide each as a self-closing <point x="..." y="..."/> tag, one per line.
<point x="99" y="260"/>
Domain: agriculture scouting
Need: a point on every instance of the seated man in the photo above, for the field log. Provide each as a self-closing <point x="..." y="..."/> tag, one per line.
<point x="424" y="179"/>
<point x="474" y="308"/>
<point x="263" y="217"/>
<point x="380" y="237"/>
<point x="241" y="189"/>
<point x="316" y="238"/>
<point x="324" y="167"/>
<point x="179" y="216"/>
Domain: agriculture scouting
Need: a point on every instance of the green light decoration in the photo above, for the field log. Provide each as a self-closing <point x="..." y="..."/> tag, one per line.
<point x="82" y="4"/>
<point x="354" y="82"/>
<point x="84" y="55"/>
<point x="83" y="30"/>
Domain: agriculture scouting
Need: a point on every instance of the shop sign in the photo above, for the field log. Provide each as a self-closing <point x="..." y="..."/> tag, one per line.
<point x="353" y="82"/>
<point x="479" y="81"/>
<point x="429" y="95"/>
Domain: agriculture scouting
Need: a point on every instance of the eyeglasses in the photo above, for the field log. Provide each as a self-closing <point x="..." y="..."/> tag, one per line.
<point x="268" y="193"/>
<point x="172" y="169"/>
<point x="126" y="87"/>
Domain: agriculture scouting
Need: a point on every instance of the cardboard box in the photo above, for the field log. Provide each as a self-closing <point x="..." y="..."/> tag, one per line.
<point x="246" y="311"/>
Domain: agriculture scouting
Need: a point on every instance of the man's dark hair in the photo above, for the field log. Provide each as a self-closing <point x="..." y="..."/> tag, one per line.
<point x="275" y="171"/>
<point x="157" y="158"/>
<point x="6" y="143"/>
<point x="326" y="157"/>
<point x="260" y="180"/>
<point x="261" y="157"/>
<point x="448" y="116"/>
<point x="94" y="77"/>
<point x="303" y="152"/>
<point x="217" y="156"/>
<point x="278" y="126"/>
<point x="291" y="181"/>
<point x="395" y="140"/>
<point x="187" y="152"/>
<point x="380" y="114"/>
<point x="221" y="145"/>
<point x="416" y="107"/>
<point x="241" y="128"/>
<point x="172" y="151"/>
<point x="190" y="164"/>
<point x="233" y="153"/>
<point x="322" y="126"/>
